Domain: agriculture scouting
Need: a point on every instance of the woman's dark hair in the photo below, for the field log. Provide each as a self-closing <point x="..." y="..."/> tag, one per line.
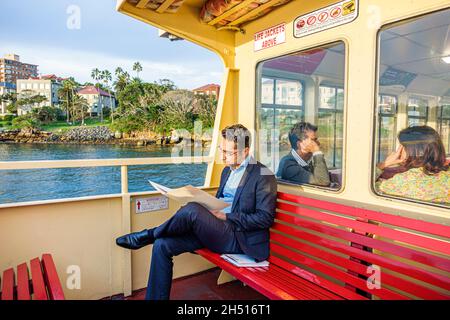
<point x="298" y="132"/>
<point x="239" y="134"/>
<point x="424" y="149"/>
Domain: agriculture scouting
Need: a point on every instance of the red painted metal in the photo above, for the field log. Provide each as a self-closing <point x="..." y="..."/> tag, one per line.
<point x="335" y="273"/>
<point x="360" y="269"/>
<point x="426" y="243"/>
<point x="37" y="279"/>
<point x="263" y="280"/>
<point x="409" y="223"/>
<point x="319" y="281"/>
<point x="417" y="256"/>
<point x="23" y="282"/>
<point x="397" y="266"/>
<point x="8" y="284"/>
<point x="51" y="278"/>
<point x="318" y="247"/>
<point x="256" y="282"/>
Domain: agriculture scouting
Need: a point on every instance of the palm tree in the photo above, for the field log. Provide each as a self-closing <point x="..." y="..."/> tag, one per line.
<point x="66" y="93"/>
<point x="96" y="75"/>
<point x="118" y="71"/>
<point x="138" y="68"/>
<point x="106" y="76"/>
<point x="122" y="80"/>
<point x="80" y="104"/>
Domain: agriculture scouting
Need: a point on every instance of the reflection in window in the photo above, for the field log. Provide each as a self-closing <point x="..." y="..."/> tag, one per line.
<point x="413" y="88"/>
<point x="330" y="124"/>
<point x="387" y="109"/>
<point x="417" y="112"/>
<point x="307" y="87"/>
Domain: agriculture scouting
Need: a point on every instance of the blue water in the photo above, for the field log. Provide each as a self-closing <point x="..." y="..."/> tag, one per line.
<point x="45" y="184"/>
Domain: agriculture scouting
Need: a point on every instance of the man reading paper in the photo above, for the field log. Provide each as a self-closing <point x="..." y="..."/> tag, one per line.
<point x="243" y="227"/>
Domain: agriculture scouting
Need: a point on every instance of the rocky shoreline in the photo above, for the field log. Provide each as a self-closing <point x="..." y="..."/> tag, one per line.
<point x="98" y="135"/>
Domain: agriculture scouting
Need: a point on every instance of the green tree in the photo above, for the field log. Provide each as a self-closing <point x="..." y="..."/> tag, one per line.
<point x="178" y="109"/>
<point x="80" y="108"/>
<point x="137" y="67"/>
<point x="123" y="79"/>
<point x="27" y="121"/>
<point x="205" y="109"/>
<point x="11" y="101"/>
<point x="46" y="114"/>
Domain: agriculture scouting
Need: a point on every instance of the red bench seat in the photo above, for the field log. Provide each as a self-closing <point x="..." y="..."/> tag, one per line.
<point x="43" y="285"/>
<point x="324" y="250"/>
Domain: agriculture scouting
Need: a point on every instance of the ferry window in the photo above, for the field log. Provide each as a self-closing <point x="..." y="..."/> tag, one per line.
<point x="300" y="115"/>
<point x="413" y="116"/>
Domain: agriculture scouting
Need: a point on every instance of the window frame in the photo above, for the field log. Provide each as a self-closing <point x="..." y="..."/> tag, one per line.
<point x="258" y="105"/>
<point x="377" y="75"/>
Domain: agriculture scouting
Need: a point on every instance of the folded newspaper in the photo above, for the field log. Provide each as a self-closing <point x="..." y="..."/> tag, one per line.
<point x="191" y="194"/>
<point x="242" y="260"/>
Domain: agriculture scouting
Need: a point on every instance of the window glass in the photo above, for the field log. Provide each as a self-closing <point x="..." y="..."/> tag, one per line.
<point x="300" y="115"/>
<point x="413" y="110"/>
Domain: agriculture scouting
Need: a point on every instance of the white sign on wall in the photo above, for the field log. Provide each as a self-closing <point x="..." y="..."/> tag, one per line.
<point x="271" y="37"/>
<point x="335" y="15"/>
<point x="152" y="204"/>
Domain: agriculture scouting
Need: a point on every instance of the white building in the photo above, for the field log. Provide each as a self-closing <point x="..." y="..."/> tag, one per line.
<point x="46" y="86"/>
<point x="97" y="99"/>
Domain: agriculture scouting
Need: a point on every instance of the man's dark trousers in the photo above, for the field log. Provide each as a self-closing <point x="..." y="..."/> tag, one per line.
<point x="191" y="228"/>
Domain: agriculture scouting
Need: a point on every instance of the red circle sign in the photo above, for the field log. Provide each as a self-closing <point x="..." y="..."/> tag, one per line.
<point x="301" y="24"/>
<point x="323" y="16"/>
<point x="335" y="12"/>
<point x="311" y="20"/>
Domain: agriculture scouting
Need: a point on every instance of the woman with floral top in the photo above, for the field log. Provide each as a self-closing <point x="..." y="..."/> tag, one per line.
<point x="418" y="169"/>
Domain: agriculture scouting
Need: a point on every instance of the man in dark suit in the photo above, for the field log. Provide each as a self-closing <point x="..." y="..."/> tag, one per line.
<point x="243" y="227"/>
<point x="306" y="162"/>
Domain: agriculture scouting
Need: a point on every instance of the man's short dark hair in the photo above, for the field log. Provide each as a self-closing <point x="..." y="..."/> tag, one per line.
<point x="238" y="134"/>
<point x="298" y="132"/>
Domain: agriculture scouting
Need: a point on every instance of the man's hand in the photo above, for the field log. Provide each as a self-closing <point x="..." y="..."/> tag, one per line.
<point x="309" y="146"/>
<point x="219" y="214"/>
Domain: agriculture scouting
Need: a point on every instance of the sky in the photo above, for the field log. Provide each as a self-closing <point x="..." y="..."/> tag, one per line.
<point x="72" y="37"/>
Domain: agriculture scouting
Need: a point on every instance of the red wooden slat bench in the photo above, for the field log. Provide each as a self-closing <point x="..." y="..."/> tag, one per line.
<point x="43" y="285"/>
<point x="324" y="250"/>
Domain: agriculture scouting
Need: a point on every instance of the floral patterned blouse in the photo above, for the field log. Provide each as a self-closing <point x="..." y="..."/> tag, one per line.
<point x="415" y="184"/>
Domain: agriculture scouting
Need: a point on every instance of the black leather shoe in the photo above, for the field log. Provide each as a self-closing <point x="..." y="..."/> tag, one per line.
<point x="136" y="240"/>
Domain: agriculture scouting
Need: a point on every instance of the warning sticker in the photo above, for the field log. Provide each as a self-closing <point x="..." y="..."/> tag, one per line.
<point x="332" y="16"/>
<point x="270" y="37"/>
<point x="152" y="204"/>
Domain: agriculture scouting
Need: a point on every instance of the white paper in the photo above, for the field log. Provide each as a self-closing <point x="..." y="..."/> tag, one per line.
<point x="191" y="194"/>
<point x="242" y="260"/>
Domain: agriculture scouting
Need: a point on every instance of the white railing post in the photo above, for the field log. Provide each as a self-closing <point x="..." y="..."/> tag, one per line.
<point x="126" y="228"/>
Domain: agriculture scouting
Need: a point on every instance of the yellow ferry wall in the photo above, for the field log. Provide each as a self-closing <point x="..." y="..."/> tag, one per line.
<point x="360" y="38"/>
<point x="81" y="234"/>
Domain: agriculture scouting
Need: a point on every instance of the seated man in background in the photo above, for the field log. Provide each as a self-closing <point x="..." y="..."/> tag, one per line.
<point x="243" y="227"/>
<point x="305" y="163"/>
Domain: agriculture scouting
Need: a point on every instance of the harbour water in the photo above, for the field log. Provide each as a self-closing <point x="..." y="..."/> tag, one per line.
<point x="45" y="184"/>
